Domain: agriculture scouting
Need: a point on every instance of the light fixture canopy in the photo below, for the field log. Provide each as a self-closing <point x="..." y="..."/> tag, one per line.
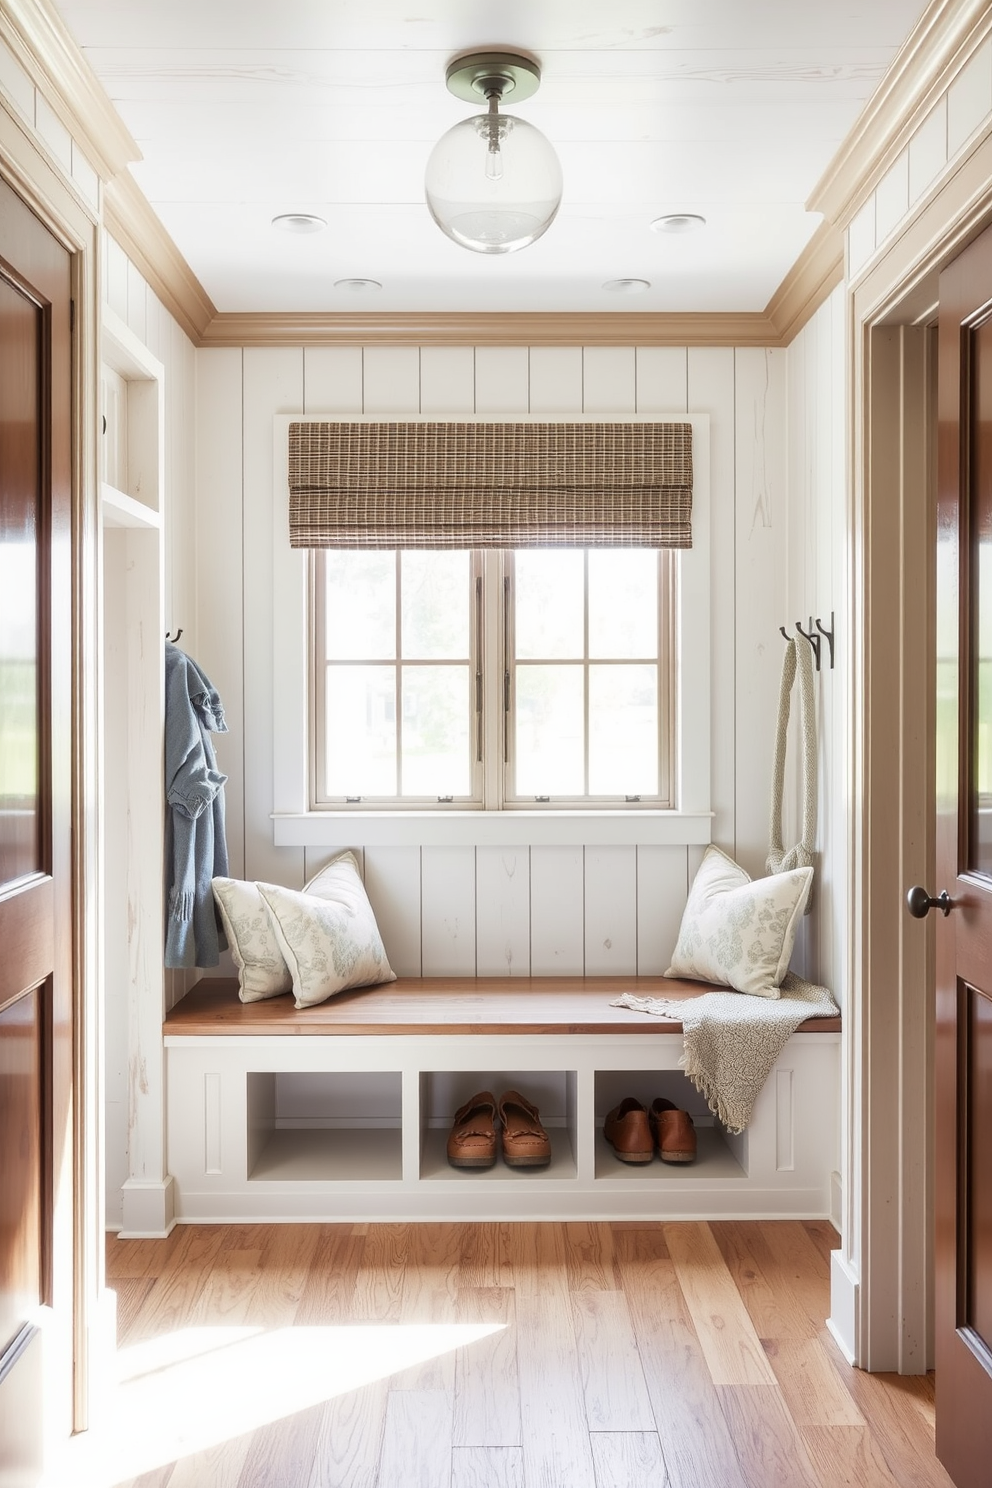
<point x="493" y="183"/>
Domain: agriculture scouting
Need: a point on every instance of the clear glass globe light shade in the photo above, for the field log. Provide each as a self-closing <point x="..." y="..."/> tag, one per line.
<point x="493" y="205"/>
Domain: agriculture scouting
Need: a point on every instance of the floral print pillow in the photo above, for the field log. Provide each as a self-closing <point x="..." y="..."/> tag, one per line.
<point x="738" y="932"/>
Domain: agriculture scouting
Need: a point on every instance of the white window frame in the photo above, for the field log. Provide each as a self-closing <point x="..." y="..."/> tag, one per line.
<point x="296" y="825"/>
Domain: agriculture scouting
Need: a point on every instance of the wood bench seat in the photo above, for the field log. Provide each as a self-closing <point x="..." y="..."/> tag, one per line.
<point x="444" y="1005"/>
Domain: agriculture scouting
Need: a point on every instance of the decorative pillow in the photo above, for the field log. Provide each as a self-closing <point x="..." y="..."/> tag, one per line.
<point x="262" y="969"/>
<point x="328" y="934"/>
<point x="739" y="932"/>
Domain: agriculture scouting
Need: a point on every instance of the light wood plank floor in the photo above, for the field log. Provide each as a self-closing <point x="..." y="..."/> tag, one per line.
<point x="628" y="1355"/>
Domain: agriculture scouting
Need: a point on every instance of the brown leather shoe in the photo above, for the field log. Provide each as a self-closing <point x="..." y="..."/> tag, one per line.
<point x="472" y="1139"/>
<point x="628" y="1132"/>
<point x="525" y="1142"/>
<point x="674" y="1132"/>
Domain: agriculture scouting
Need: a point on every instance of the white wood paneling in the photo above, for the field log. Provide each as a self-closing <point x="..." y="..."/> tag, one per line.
<point x="609" y="380"/>
<point x="555" y="379"/>
<point x="761" y="562"/>
<point x="332" y="379"/>
<point x="662" y="886"/>
<point x="502" y="379"/>
<point x="448" y="909"/>
<point x="502" y="880"/>
<point x="610" y="896"/>
<point x="557" y="935"/>
<point x="220" y="584"/>
<point x="662" y="379"/>
<point x="392" y="881"/>
<point x="711" y="389"/>
<point x="391" y="380"/>
<point x="447" y="381"/>
<point x="273" y="383"/>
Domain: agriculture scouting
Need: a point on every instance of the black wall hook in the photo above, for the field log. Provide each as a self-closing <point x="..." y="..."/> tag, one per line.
<point x="814" y="638"/>
<point x="174" y="638"/>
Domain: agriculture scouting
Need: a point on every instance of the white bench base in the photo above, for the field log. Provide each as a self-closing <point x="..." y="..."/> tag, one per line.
<point x="311" y="1127"/>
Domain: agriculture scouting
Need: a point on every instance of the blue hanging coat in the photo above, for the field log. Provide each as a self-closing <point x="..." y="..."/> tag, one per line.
<point x="196" y="845"/>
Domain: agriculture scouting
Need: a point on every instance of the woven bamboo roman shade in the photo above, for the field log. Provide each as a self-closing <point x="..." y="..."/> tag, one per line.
<point x="490" y="485"/>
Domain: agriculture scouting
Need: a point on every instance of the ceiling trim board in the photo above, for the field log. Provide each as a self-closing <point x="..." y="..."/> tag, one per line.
<point x="36" y="35"/>
<point x="940" y="44"/>
<point x="813" y="277"/>
<point x="131" y="222"/>
<point x="527" y="328"/>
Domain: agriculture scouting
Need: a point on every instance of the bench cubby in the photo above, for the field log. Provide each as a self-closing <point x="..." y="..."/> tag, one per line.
<point x="341" y="1112"/>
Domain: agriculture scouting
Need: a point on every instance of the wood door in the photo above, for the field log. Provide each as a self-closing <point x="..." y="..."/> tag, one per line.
<point x="36" y="1004"/>
<point x="963" y="1184"/>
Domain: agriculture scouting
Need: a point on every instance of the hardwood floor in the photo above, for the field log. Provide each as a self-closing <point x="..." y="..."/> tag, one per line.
<point x="628" y="1355"/>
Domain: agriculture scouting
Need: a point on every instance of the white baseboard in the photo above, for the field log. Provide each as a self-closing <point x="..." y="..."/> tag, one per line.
<point x="149" y="1209"/>
<point x="843" y="1319"/>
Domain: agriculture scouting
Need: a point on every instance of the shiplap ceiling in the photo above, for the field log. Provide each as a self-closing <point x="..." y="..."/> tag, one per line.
<point x="244" y="109"/>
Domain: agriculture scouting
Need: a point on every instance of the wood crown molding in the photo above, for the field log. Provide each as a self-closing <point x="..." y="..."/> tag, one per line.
<point x="471" y="328"/>
<point x="816" y="273"/>
<point x="941" y="42"/>
<point x="36" y="35"/>
<point x="131" y="222"/>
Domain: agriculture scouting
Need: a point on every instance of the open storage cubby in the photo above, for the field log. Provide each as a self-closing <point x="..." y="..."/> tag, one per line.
<point x="719" y="1153"/>
<point x="442" y="1092"/>
<point x="339" y="1127"/>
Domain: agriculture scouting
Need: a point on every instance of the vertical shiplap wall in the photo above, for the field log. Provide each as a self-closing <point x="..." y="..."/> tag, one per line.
<point x="816" y="582"/>
<point x="537" y="911"/>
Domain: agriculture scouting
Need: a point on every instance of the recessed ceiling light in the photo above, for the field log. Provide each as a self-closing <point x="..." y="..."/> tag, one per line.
<point x="299" y="222"/>
<point x="678" y="222"/>
<point x="627" y="286"/>
<point x="358" y="286"/>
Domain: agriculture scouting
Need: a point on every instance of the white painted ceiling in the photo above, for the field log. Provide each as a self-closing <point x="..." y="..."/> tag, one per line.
<point x="244" y="109"/>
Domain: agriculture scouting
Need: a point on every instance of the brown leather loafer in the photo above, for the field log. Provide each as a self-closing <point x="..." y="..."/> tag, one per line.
<point x="628" y="1132"/>
<point x="525" y="1142"/>
<point x="472" y="1139"/>
<point x="673" y="1131"/>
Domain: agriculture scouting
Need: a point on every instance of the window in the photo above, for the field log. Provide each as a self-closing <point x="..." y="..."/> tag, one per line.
<point x="467" y="679"/>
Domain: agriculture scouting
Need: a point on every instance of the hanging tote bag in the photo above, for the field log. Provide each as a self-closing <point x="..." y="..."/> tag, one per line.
<point x="798" y="661"/>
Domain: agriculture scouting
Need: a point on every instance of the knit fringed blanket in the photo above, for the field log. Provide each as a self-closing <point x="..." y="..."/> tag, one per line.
<point x="731" y="1041"/>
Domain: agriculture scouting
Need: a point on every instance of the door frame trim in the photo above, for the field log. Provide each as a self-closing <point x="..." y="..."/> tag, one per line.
<point x="883" y="1314"/>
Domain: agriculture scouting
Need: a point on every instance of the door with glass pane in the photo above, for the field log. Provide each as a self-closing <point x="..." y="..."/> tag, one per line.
<point x="963" y="1190"/>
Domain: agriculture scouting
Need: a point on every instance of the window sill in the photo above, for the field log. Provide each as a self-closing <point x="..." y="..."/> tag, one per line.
<point x="491" y="828"/>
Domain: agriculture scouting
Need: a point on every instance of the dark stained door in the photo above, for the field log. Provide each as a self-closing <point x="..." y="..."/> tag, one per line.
<point x="36" y="1005"/>
<point x="963" y="1190"/>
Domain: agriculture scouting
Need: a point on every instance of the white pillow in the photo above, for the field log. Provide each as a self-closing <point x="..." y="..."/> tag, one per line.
<point x="737" y="932"/>
<point x="328" y="934"/>
<point x="262" y="969"/>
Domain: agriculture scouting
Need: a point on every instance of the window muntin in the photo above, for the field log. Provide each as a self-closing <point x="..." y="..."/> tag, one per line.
<point x="572" y="687"/>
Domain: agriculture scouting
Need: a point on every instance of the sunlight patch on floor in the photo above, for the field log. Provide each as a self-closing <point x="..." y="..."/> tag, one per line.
<point x="195" y="1388"/>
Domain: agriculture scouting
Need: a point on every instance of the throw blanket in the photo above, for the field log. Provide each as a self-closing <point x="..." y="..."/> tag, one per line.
<point x="731" y="1040"/>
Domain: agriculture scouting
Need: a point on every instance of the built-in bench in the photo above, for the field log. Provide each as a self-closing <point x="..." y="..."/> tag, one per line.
<point x="341" y="1111"/>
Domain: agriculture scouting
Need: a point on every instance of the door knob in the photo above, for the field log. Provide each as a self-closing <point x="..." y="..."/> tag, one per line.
<point x="919" y="903"/>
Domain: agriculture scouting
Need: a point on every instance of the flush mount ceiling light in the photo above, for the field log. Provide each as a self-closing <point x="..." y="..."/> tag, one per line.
<point x="678" y="222"/>
<point x="493" y="182"/>
<point x="299" y="222"/>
